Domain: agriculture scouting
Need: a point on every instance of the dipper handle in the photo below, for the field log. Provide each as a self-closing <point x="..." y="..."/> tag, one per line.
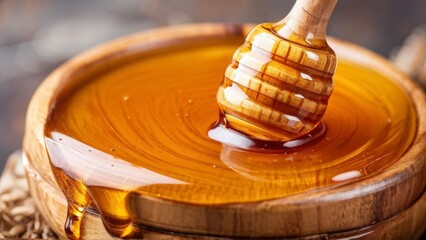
<point x="307" y="22"/>
<point x="279" y="82"/>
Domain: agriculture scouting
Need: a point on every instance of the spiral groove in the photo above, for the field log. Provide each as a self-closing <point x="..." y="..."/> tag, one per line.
<point x="276" y="89"/>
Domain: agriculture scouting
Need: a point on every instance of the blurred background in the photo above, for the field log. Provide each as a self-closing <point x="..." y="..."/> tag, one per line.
<point x="38" y="35"/>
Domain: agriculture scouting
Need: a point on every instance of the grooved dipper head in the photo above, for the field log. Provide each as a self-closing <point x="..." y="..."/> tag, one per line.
<point x="277" y="88"/>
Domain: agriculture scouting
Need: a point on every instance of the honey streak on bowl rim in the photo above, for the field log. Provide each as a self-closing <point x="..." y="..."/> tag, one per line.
<point x="285" y="207"/>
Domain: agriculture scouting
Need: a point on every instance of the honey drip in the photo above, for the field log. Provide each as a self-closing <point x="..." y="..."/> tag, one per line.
<point x="143" y="128"/>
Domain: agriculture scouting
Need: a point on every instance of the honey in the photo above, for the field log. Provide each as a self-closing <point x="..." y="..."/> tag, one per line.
<point x="148" y="128"/>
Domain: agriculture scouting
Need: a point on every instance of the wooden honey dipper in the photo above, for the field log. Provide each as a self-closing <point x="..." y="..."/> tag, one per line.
<point x="279" y="82"/>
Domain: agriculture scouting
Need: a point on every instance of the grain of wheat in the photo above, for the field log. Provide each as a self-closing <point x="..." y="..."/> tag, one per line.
<point x="19" y="217"/>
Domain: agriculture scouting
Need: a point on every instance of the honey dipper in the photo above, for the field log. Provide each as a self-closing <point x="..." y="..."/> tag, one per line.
<point x="279" y="82"/>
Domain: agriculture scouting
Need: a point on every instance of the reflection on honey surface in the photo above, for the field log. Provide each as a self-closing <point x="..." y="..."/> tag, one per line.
<point x="144" y="127"/>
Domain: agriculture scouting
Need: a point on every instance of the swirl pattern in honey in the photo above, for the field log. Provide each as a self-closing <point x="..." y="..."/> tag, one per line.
<point x="145" y="127"/>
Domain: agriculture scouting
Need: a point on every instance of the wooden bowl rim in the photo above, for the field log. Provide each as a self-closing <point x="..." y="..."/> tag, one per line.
<point x="406" y="177"/>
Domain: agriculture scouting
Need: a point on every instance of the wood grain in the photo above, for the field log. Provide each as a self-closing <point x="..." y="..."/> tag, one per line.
<point x="307" y="19"/>
<point x="363" y="204"/>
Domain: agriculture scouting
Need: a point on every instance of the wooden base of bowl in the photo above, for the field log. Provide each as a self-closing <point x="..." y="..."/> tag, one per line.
<point x="408" y="224"/>
<point x="389" y="205"/>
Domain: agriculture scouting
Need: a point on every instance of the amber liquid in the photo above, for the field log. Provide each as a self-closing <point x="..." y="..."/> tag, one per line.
<point x="145" y="128"/>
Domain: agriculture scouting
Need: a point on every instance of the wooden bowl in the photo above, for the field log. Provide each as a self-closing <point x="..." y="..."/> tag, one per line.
<point x="391" y="204"/>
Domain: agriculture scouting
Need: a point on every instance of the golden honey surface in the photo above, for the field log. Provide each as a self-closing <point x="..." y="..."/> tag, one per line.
<point x="145" y="127"/>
